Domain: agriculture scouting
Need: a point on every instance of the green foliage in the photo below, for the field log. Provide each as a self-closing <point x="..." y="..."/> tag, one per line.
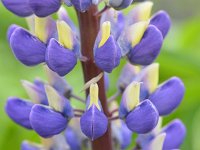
<point x="179" y="57"/>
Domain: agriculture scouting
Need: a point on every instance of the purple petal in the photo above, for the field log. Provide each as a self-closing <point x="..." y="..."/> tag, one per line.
<point x="72" y="139"/>
<point x="46" y="122"/>
<point x="149" y="47"/>
<point x="43" y="8"/>
<point x="18" y="110"/>
<point x="126" y="136"/>
<point x="143" y="118"/>
<point x="107" y="57"/>
<point x="30" y="146"/>
<point x="128" y="72"/>
<point x="60" y="59"/>
<point x="94" y="123"/>
<point x="18" y="7"/>
<point x="28" y="49"/>
<point x="10" y="31"/>
<point x="120" y="4"/>
<point x="162" y="21"/>
<point x="106" y="81"/>
<point x="175" y="135"/>
<point x="82" y="5"/>
<point x="168" y="96"/>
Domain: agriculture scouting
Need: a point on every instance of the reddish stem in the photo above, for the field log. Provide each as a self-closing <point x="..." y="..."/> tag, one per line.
<point x="89" y="27"/>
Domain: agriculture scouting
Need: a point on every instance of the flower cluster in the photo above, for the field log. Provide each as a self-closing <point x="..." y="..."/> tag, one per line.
<point x="137" y="37"/>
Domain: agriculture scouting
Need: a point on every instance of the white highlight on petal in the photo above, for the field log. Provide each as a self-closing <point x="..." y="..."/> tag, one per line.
<point x="105" y="32"/>
<point x="157" y="142"/>
<point x="132" y="95"/>
<point x="54" y="99"/>
<point x="65" y="34"/>
<point x="136" y="31"/>
<point x="94" y="94"/>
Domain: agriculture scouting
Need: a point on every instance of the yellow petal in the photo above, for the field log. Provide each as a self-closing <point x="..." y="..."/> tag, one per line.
<point x="152" y="76"/>
<point x="132" y="95"/>
<point x="144" y="10"/>
<point x="105" y="29"/>
<point x="54" y="98"/>
<point x="94" y="92"/>
<point x="136" y="31"/>
<point x="41" y="28"/>
<point x="65" y="34"/>
<point x="158" y="141"/>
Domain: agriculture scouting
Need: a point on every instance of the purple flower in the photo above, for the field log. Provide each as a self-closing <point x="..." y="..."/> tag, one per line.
<point x="10" y="31"/>
<point x="146" y="51"/>
<point x="72" y="139"/>
<point x="47" y="122"/>
<point x="175" y="135"/>
<point x="162" y="21"/>
<point x="107" y="53"/>
<point x="93" y="123"/>
<point x="60" y="59"/>
<point x="30" y="146"/>
<point x="168" y="96"/>
<point x="18" y="110"/>
<point x="43" y="8"/>
<point x="27" y="48"/>
<point x="18" y="7"/>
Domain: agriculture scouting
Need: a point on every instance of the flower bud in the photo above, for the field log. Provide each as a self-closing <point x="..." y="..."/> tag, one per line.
<point x="126" y="136"/>
<point x="162" y="21"/>
<point x="81" y="5"/>
<point x="120" y="4"/>
<point x="26" y="145"/>
<point x="18" y="7"/>
<point x="18" y="110"/>
<point x="72" y="139"/>
<point x="106" y="50"/>
<point x="47" y="122"/>
<point x="68" y="2"/>
<point x="175" y="135"/>
<point x="61" y="56"/>
<point x="168" y="96"/>
<point x="28" y="49"/>
<point x="143" y="118"/>
<point x="44" y="8"/>
<point x="146" y="51"/>
<point x="93" y="122"/>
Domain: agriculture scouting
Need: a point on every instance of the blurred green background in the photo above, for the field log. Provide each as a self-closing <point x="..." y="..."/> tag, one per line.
<point x="180" y="56"/>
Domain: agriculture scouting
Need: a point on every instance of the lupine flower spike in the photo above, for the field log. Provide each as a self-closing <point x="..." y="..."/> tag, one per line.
<point x="109" y="36"/>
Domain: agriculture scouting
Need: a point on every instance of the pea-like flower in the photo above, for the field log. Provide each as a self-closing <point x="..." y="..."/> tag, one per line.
<point x="93" y="122"/>
<point x="140" y="117"/>
<point x="61" y="56"/>
<point x="30" y="49"/>
<point x="107" y="53"/>
<point x="81" y="5"/>
<point x="49" y="121"/>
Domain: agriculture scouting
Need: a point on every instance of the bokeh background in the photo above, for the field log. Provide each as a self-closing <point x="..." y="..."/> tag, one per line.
<point x="180" y="56"/>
